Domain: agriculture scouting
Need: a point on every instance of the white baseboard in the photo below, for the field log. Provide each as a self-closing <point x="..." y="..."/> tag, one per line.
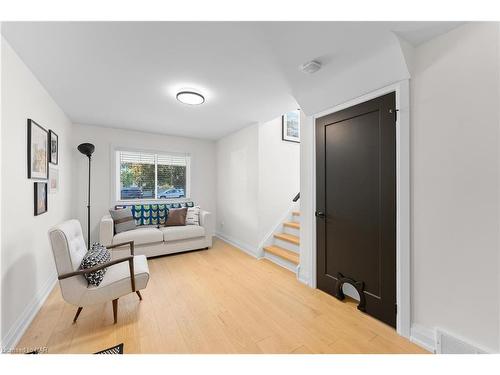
<point x="250" y="250"/>
<point x="10" y="340"/>
<point x="423" y="337"/>
<point x="304" y="279"/>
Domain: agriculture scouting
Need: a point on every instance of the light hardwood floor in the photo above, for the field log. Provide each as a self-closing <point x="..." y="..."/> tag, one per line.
<point x="219" y="300"/>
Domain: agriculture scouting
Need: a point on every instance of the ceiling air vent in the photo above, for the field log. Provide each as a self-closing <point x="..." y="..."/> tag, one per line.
<point x="311" y="66"/>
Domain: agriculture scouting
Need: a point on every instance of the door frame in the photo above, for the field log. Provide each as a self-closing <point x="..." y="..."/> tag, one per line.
<point x="403" y="267"/>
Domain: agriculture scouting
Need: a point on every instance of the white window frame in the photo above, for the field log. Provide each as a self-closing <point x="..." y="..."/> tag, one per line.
<point x="115" y="177"/>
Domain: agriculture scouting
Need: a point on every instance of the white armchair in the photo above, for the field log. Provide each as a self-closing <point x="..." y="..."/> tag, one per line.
<point x="124" y="275"/>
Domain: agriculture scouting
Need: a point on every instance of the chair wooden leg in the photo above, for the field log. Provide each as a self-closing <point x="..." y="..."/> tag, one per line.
<point x="115" y="310"/>
<point x="77" y="314"/>
<point x="139" y="294"/>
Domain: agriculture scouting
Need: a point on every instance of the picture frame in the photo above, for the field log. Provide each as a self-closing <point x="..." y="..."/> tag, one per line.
<point x="53" y="180"/>
<point x="40" y="198"/>
<point x="53" y="147"/>
<point x="290" y="126"/>
<point x="38" y="151"/>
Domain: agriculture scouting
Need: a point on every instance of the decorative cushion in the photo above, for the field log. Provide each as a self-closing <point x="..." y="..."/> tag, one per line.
<point x="97" y="255"/>
<point x="193" y="216"/>
<point x="141" y="236"/>
<point x="182" y="232"/>
<point x="122" y="219"/>
<point x="176" y="216"/>
<point x="153" y="214"/>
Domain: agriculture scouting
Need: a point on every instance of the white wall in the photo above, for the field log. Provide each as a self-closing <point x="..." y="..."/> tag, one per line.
<point x="1" y="168"/>
<point x="238" y="188"/>
<point x="279" y="175"/>
<point x="203" y="168"/>
<point x="258" y="176"/>
<point x="381" y="68"/>
<point x="455" y="119"/>
<point x="307" y="200"/>
<point x="27" y="267"/>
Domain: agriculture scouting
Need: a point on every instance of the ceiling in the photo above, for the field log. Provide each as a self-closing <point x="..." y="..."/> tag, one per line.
<point x="126" y="74"/>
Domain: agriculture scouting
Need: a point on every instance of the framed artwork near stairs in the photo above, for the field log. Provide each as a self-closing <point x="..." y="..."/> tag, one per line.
<point x="290" y="131"/>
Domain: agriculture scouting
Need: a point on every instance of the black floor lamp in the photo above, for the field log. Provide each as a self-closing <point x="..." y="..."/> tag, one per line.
<point x="87" y="149"/>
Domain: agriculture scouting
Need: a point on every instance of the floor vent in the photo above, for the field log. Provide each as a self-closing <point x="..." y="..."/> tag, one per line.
<point x="448" y="344"/>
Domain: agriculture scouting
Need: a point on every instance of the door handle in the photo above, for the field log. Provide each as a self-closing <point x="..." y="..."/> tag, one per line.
<point x="320" y="214"/>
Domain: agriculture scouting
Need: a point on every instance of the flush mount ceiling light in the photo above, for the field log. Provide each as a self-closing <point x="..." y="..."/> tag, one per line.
<point x="190" y="97"/>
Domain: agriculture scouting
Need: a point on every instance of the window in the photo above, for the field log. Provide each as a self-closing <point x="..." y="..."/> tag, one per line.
<point x="145" y="175"/>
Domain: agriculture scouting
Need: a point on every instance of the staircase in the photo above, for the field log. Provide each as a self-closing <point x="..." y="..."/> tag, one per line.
<point x="284" y="250"/>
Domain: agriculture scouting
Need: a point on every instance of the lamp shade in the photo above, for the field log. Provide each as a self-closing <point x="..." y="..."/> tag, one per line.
<point x="86" y="149"/>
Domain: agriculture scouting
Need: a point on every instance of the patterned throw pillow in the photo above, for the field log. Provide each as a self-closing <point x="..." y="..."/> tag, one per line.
<point x="193" y="216"/>
<point x="97" y="255"/>
<point x="152" y="214"/>
<point x="122" y="219"/>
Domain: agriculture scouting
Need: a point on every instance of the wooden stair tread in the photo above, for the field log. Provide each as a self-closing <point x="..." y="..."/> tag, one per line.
<point x="292" y="224"/>
<point x="288" y="237"/>
<point x="283" y="253"/>
<point x="296" y="213"/>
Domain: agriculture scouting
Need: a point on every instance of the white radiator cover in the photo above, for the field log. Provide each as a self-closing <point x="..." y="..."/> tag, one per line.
<point x="449" y="344"/>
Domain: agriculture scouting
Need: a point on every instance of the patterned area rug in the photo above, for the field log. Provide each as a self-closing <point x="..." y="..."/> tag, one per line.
<point x="118" y="349"/>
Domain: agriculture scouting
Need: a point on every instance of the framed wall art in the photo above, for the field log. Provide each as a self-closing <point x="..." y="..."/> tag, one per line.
<point x="38" y="151"/>
<point x="54" y="147"/>
<point x="291" y="126"/>
<point x="41" y="201"/>
<point x="53" y="180"/>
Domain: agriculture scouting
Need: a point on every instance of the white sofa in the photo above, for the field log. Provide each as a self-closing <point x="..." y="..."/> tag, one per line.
<point x="151" y="241"/>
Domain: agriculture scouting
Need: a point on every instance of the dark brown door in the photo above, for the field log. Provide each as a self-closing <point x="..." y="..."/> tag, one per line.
<point x="356" y="203"/>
